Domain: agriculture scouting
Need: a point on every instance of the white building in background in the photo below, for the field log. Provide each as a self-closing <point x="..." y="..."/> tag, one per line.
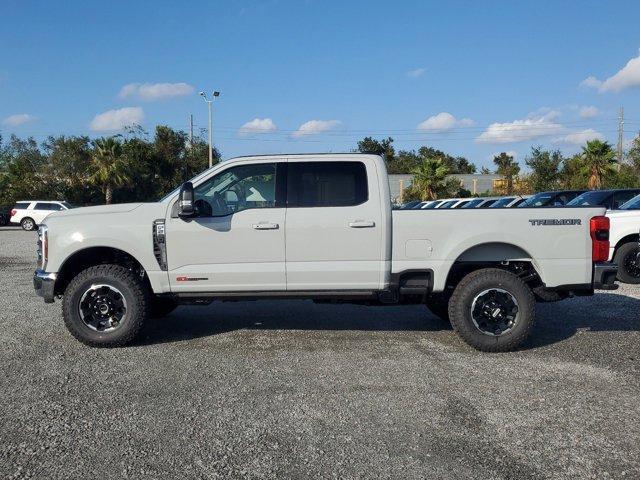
<point x="476" y="183"/>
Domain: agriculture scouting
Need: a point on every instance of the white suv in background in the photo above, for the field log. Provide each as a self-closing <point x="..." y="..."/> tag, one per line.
<point x="31" y="213"/>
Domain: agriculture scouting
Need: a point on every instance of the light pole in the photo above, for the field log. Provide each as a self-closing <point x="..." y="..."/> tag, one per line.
<point x="209" y="104"/>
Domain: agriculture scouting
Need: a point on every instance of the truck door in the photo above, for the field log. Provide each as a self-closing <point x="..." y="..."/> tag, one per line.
<point x="334" y="226"/>
<point x="236" y="243"/>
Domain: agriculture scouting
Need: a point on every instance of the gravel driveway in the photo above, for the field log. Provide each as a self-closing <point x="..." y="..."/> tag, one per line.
<point x="297" y="390"/>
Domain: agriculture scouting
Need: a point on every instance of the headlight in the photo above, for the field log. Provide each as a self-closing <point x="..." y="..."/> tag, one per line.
<point x="43" y="246"/>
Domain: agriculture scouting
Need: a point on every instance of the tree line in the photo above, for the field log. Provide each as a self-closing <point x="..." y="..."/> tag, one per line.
<point x="594" y="167"/>
<point x="135" y="166"/>
<point x="122" y="168"/>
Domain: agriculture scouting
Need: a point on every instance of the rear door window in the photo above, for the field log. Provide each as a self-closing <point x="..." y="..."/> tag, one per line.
<point x="45" y="206"/>
<point x="326" y="184"/>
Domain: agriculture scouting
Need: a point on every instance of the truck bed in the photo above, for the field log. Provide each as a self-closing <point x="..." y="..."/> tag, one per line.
<point x="555" y="240"/>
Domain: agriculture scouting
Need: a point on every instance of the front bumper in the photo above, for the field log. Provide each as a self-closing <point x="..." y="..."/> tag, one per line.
<point x="44" y="284"/>
<point x="604" y="275"/>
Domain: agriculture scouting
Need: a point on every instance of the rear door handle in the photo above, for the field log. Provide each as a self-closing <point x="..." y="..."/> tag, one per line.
<point x="265" y="226"/>
<point x="362" y="224"/>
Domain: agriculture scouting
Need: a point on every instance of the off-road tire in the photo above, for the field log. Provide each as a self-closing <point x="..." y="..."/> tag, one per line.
<point x="462" y="299"/>
<point x="438" y="304"/>
<point x="134" y="291"/>
<point x="619" y="258"/>
<point x="28" y="224"/>
<point x="161" y="307"/>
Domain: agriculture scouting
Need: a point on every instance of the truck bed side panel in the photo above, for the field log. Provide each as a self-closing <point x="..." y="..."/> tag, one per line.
<point x="434" y="239"/>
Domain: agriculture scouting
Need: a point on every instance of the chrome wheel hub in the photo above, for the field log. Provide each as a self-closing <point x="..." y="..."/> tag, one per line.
<point x="494" y="311"/>
<point x="102" y="308"/>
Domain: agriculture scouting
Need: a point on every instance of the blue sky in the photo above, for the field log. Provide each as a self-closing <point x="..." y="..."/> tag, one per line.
<point x="471" y="78"/>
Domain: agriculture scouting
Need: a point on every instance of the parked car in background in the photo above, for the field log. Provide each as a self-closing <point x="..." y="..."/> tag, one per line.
<point x="463" y="203"/>
<point x="609" y="199"/>
<point x="473" y="203"/>
<point x="624" y="238"/>
<point x="551" y="199"/>
<point x="509" y="202"/>
<point x="431" y="204"/>
<point x="31" y="213"/>
<point x="450" y="202"/>
<point x="487" y="202"/>
<point x="409" y="205"/>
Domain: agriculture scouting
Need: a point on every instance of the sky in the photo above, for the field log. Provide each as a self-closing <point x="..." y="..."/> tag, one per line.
<point x="470" y="78"/>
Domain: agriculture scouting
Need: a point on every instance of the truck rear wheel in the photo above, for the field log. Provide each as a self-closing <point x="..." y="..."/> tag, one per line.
<point x="492" y="310"/>
<point x="105" y="306"/>
<point x="628" y="260"/>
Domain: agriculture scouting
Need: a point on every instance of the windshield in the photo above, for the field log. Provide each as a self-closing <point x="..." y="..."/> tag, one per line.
<point x="177" y="189"/>
<point x="432" y="205"/>
<point x="473" y="203"/>
<point x="503" y="202"/>
<point x="633" y="204"/>
<point x="596" y="198"/>
<point x="538" y="200"/>
<point x="448" y="204"/>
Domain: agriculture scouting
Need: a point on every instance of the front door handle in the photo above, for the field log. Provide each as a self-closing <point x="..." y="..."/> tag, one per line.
<point x="362" y="224"/>
<point x="265" y="226"/>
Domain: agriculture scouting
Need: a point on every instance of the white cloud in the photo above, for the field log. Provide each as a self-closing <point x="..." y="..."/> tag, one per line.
<point x="151" y="92"/>
<point x="591" y="82"/>
<point x="313" y="127"/>
<point x="532" y="127"/>
<point x="117" y="119"/>
<point x="18" y="119"/>
<point x="418" y="72"/>
<point x="589" y="112"/>
<point x="443" y="122"/>
<point x="257" y="125"/>
<point x="580" y="137"/>
<point x="627" y="77"/>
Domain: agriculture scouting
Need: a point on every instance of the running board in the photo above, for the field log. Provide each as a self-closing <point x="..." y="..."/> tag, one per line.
<point x="299" y="294"/>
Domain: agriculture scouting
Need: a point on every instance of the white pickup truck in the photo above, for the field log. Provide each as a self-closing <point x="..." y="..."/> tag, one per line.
<point x="625" y="241"/>
<point x="317" y="227"/>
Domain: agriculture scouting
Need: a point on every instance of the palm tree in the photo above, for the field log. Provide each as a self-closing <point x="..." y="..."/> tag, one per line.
<point x="599" y="160"/>
<point x="108" y="168"/>
<point x="429" y="177"/>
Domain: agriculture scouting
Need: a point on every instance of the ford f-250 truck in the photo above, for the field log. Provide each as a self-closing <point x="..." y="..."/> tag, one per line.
<point x="317" y="227"/>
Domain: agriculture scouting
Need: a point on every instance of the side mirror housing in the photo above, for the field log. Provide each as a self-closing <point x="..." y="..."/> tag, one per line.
<point x="186" y="207"/>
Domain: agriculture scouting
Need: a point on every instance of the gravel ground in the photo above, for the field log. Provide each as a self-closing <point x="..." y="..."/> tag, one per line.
<point x="298" y="390"/>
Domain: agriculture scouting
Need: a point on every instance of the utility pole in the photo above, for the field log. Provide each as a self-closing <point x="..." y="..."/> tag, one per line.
<point x="191" y="130"/>
<point x="620" y="137"/>
<point x="209" y="104"/>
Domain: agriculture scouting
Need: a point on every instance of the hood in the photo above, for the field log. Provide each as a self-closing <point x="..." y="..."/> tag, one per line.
<point x="117" y="208"/>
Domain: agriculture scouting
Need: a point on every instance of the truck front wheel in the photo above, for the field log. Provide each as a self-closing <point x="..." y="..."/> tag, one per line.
<point x="628" y="259"/>
<point x="105" y="306"/>
<point x="492" y="310"/>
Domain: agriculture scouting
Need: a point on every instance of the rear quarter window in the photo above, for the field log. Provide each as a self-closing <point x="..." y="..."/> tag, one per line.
<point x="22" y="205"/>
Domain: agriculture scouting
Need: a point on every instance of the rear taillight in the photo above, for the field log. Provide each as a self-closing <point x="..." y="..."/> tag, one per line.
<point x="599" y="230"/>
<point x="13" y="212"/>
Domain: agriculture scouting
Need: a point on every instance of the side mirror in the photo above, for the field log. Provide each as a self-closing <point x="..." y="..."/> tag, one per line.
<point x="186" y="208"/>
